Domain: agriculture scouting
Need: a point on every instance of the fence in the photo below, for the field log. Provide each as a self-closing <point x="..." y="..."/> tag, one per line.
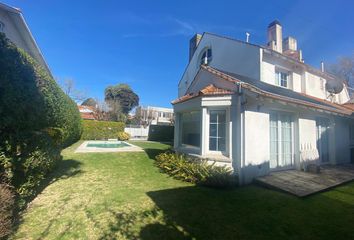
<point x="138" y="132"/>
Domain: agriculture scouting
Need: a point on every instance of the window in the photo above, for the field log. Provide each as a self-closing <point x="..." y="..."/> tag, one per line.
<point x="281" y="140"/>
<point x="191" y="128"/>
<point x="206" y="56"/>
<point x="2" y="26"/>
<point x="217" y="130"/>
<point x="322" y="126"/>
<point x="282" y="79"/>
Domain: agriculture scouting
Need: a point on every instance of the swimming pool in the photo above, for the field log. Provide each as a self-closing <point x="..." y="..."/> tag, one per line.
<point x="110" y="144"/>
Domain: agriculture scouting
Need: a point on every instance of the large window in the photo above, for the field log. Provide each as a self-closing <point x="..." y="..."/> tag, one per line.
<point x="281" y="141"/>
<point x="191" y="128"/>
<point x="217" y="130"/>
<point x="282" y="79"/>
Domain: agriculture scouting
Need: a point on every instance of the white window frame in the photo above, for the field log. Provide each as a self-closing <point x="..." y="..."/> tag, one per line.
<point x="227" y="130"/>
<point x="279" y="153"/>
<point x="277" y="78"/>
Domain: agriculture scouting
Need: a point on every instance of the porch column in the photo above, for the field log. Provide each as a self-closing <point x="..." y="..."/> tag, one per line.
<point x="203" y="131"/>
<point x="177" y="131"/>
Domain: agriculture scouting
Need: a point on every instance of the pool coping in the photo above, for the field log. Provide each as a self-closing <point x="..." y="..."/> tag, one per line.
<point x="84" y="149"/>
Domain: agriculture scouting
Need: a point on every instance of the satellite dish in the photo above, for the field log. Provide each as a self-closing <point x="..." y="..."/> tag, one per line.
<point x="334" y="86"/>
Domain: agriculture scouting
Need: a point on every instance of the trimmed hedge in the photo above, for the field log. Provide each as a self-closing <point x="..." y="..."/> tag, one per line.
<point x="123" y="136"/>
<point x="7" y="200"/>
<point x="96" y="130"/>
<point x="195" y="170"/>
<point x="30" y="99"/>
<point x="161" y="133"/>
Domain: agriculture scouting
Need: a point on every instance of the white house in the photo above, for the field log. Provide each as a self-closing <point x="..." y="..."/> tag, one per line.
<point x="13" y="25"/>
<point x="150" y="115"/>
<point x="260" y="108"/>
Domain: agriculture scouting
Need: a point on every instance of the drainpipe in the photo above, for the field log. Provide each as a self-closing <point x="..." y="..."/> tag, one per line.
<point x="238" y="134"/>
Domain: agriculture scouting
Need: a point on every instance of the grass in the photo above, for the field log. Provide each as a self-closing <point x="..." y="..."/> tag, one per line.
<point x="124" y="196"/>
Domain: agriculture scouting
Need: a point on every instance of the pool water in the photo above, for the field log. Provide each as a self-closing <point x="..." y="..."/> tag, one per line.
<point x="108" y="145"/>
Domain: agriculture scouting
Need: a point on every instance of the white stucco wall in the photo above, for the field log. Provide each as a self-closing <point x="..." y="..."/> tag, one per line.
<point x="256" y="145"/>
<point x="227" y="55"/>
<point x="307" y="132"/>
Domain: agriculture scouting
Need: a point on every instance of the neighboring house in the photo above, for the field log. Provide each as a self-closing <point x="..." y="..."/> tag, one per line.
<point x="13" y="24"/>
<point x="155" y="115"/>
<point x="87" y="112"/>
<point x="260" y="108"/>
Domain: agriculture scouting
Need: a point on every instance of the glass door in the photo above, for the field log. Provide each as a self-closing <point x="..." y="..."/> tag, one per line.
<point x="322" y="126"/>
<point x="281" y="141"/>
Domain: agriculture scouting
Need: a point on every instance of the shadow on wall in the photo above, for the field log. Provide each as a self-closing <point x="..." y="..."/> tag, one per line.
<point x="250" y="172"/>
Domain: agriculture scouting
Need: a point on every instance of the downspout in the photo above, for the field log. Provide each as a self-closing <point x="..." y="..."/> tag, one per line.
<point x="240" y="132"/>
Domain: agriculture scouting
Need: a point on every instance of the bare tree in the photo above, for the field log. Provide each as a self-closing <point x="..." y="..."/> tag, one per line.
<point x="68" y="86"/>
<point x="344" y="69"/>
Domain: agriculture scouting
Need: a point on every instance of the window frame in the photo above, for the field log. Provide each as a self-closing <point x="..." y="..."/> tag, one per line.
<point x="279" y="141"/>
<point x="278" y="78"/>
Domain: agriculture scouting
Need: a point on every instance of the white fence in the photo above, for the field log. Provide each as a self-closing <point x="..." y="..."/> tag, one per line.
<point x="137" y="132"/>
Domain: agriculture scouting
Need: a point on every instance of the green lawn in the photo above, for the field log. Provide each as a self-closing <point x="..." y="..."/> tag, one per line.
<point x="124" y="196"/>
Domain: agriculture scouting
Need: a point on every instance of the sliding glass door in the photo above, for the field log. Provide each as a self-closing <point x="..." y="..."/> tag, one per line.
<point x="281" y="141"/>
<point x="322" y="126"/>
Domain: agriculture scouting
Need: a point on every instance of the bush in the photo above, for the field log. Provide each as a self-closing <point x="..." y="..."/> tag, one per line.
<point x="161" y="133"/>
<point x="123" y="136"/>
<point x="7" y="200"/>
<point x="96" y="130"/>
<point x="195" y="171"/>
<point x="30" y="99"/>
<point x="35" y="157"/>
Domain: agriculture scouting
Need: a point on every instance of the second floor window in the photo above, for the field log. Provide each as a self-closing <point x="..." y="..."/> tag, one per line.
<point x="206" y="56"/>
<point x="282" y="79"/>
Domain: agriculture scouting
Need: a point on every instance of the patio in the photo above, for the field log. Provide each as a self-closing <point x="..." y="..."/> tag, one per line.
<point x="303" y="184"/>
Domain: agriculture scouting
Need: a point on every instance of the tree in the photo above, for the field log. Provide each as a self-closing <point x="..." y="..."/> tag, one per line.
<point x="89" y="102"/>
<point x="68" y="86"/>
<point x="344" y="69"/>
<point x="122" y="94"/>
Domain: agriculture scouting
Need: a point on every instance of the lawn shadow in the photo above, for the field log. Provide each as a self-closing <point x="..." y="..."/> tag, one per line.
<point x="250" y="213"/>
<point x="64" y="169"/>
<point x="153" y="152"/>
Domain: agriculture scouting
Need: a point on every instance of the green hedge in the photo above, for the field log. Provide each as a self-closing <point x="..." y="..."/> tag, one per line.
<point x="96" y="130"/>
<point x="30" y="99"/>
<point x="161" y="133"/>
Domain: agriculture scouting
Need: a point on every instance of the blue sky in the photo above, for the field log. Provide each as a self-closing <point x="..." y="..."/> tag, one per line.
<point x="145" y="43"/>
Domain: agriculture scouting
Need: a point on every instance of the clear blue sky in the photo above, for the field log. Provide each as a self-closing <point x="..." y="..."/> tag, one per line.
<point x="145" y="43"/>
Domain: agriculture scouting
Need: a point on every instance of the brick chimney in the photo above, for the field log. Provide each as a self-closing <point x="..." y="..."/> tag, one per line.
<point x="275" y="36"/>
<point x="193" y="44"/>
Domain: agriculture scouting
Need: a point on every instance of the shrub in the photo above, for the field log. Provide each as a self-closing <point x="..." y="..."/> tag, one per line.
<point x="123" y="136"/>
<point x="7" y="200"/>
<point x="30" y="99"/>
<point x="195" y="171"/>
<point x="95" y="130"/>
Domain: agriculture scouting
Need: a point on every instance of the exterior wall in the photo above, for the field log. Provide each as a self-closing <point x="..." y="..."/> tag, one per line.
<point x="315" y="85"/>
<point x="11" y="30"/>
<point x="227" y="55"/>
<point x="256" y="145"/>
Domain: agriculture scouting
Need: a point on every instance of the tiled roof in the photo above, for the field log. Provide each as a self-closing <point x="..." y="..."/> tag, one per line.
<point x="206" y="91"/>
<point x="87" y="116"/>
<point x="273" y="92"/>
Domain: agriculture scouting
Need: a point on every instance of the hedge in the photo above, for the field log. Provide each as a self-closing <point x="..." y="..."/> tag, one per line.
<point x="161" y="133"/>
<point x="30" y="99"/>
<point x="96" y="130"/>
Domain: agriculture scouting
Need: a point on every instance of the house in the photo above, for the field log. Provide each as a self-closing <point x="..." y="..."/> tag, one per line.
<point x="154" y="115"/>
<point x="259" y="108"/>
<point x="87" y="112"/>
<point x="13" y="25"/>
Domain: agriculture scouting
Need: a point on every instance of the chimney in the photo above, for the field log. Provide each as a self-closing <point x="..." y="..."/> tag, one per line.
<point x="193" y="44"/>
<point x="289" y="44"/>
<point x="275" y="36"/>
